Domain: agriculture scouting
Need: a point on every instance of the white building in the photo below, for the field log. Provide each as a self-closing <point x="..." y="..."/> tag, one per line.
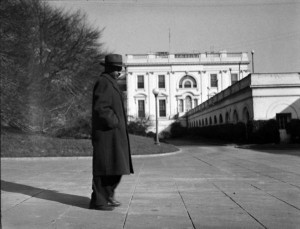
<point x="183" y="79"/>
<point x="256" y="97"/>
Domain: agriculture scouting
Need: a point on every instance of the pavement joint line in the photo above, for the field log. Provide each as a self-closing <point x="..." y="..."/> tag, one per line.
<point x="53" y="222"/>
<point x="137" y="181"/>
<point x="239" y="205"/>
<point x="259" y="163"/>
<point x="230" y="196"/>
<point x="266" y="175"/>
<point x="204" y="161"/>
<point x="275" y="197"/>
<point x="262" y="174"/>
<point x="244" y="181"/>
<point x="185" y="206"/>
<point x="28" y="198"/>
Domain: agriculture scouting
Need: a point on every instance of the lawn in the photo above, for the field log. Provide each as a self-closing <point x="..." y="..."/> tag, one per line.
<point x="16" y="144"/>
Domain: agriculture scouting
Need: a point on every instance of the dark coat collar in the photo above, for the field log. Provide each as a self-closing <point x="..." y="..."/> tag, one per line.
<point x="113" y="82"/>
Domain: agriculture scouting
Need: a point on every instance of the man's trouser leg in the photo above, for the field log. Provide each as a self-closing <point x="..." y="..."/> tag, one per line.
<point x="103" y="188"/>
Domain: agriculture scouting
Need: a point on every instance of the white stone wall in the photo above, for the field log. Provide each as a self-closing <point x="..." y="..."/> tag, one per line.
<point x="262" y="95"/>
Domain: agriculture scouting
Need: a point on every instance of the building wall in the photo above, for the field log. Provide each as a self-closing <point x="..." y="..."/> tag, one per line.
<point x="256" y="97"/>
<point x="174" y="67"/>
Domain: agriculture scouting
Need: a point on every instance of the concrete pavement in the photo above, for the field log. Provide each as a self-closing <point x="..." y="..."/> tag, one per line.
<point x="201" y="187"/>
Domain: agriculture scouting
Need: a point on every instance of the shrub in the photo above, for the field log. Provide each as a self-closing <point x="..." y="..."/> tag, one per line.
<point x="177" y="130"/>
<point x="165" y="135"/>
<point x="254" y="131"/>
<point x="263" y="131"/>
<point x="151" y="134"/>
<point x="139" y="126"/>
<point x="79" y="129"/>
<point x="293" y="128"/>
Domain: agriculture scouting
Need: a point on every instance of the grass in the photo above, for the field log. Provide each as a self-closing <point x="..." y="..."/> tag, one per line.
<point x="17" y="144"/>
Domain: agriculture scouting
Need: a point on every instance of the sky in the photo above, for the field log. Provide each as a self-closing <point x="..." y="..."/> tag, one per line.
<point x="271" y="28"/>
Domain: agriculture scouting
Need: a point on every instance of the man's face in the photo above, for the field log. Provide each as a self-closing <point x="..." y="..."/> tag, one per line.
<point x="115" y="74"/>
<point x="114" y="71"/>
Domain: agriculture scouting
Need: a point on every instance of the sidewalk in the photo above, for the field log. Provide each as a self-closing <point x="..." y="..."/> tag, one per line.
<point x="201" y="187"/>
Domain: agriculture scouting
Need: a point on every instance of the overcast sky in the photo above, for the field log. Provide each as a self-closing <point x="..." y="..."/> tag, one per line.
<point x="269" y="27"/>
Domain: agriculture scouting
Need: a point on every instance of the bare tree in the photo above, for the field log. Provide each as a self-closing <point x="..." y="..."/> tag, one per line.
<point x="49" y="59"/>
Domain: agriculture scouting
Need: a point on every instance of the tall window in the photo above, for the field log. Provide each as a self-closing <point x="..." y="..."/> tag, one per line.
<point x="283" y="119"/>
<point x="162" y="108"/>
<point x="195" y="102"/>
<point x="141" y="108"/>
<point x="213" y="80"/>
<point x="188" y="103"/>
<point x="161" y="81"/>
<point x="235" y="117"/>
<point x="221" y="119"/>
<point x="140" y="81"/>
<point x="180" y="105"/>
<point x="234" y="78"/>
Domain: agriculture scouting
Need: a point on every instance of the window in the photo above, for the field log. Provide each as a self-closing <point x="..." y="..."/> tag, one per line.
<point x="140" y="82"/>
<point x="187" y="84"/>
<point x="283" y="119"/>
<point x="210" y="121"/>
<point x="162" y="108"/>
<point x="213" y="80"/>
<point x="180" y="108"/>
<point x="195" y="102"/>
<point x="183" y="83"/>
<point x="246" y="116"/>
<point x="215" y="120"/>
<point x="234" y="78"/>
<point x="220" y="119"/>
<point x="161" y="81"/>
<point x="235" y="117"/>
<point x="141" y="108"/>
<point x="227" y="119"/>
<point x="188" y="103"/>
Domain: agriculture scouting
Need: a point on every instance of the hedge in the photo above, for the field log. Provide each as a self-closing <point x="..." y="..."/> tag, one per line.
<point x="252" y="132"/>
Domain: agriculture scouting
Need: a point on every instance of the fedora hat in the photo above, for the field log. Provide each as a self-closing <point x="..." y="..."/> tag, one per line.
<point x="114" y="60"/>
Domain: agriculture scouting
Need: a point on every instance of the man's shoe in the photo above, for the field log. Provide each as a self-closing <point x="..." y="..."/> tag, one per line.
<point x="101" y="207"/>
<point x="112" y="202"/>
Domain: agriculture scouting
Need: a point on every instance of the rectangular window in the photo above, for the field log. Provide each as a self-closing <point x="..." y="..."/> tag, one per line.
<point x="180" y="108"/>
<point x="283" y="119"/>
<point x="213" y="80"/>
<point x="161" y="81"/>
<point x="141" y="108"/>
<point x="162" y="108"/>
<point x="234" y="78"/>
<point x="140" y="81"/>
<point x="195" y="102"/>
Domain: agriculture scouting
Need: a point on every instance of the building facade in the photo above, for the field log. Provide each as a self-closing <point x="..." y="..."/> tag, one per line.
<point x="184" y="80"/>
<point x="256" y="97"/>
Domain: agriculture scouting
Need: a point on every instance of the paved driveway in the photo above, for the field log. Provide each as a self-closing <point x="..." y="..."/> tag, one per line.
<point x="203" y="186"/>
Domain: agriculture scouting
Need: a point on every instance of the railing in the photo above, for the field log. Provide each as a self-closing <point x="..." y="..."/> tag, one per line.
<point x="187" y="57"/>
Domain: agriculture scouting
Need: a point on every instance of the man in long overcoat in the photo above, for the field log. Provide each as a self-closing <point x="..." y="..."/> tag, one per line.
<point x="111" y="147"/>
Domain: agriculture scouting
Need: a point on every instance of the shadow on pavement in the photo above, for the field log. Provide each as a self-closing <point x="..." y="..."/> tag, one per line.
<point x="45" y="194"/>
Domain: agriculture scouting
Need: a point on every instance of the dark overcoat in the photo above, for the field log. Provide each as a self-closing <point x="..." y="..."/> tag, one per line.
<point x="111" y="147"/>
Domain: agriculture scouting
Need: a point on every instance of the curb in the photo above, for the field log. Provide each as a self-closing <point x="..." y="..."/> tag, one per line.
<point x="85" y="157"/>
